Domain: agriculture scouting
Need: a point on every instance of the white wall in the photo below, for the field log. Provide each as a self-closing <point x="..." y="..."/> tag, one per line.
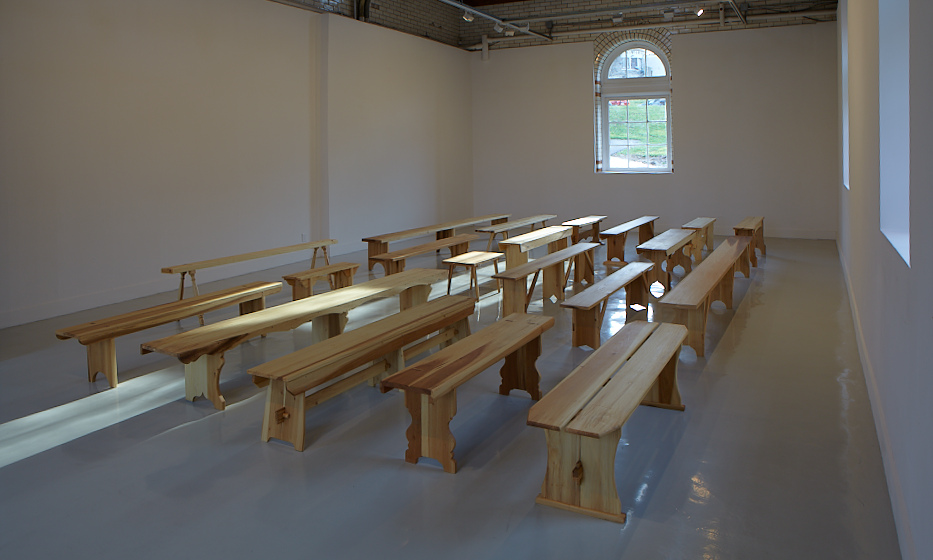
<point x="754" y="133"/>
<point x="398" y="132"/>
<point x="137" y="135"/>
<point x="893" y="303"/>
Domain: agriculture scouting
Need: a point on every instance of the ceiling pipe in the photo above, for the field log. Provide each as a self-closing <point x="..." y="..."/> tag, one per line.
<point x="615" y="28"/>
<point x="617" y="11"/>
<point x="469" y="9"/>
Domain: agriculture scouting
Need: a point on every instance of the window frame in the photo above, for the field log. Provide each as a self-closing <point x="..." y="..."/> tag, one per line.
<point x="631" y="89"/>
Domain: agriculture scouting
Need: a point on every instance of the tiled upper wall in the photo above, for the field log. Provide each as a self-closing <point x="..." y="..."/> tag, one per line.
<point x="438" y="21"/>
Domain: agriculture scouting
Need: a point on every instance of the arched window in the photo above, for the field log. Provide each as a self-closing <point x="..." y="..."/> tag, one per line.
<point x="633" y="110"/>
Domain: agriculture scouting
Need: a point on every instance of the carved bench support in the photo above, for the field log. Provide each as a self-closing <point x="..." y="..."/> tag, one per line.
<point x="202" y="377"/>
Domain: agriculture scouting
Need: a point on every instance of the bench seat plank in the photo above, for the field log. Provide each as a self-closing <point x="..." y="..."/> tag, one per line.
<point x="430" y="385"/>
<point x="505" y="227"/>
<point x="688" y="303"/>
<point x="673" y="247"/>
<point x="394" y="261"/>
<point x="704" y="238"/>
<point x="754" y="227"/>
<point x="516" y="248"/>
<point x="589" y="306"/>
<point x="580" y="223"/>
<point x="516" y="294"/>
<point x="615" y="238"/>
<point x="613" y="405"/>
<point x="98" y="335"/>
<point x="339" y="275"/>
<point x="202" y="349"/>
<point x="381" y="343"/>
<point x="562" y="403"/>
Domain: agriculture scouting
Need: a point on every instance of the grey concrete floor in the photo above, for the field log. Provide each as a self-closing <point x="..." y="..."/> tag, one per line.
<point x="776" y="455"/>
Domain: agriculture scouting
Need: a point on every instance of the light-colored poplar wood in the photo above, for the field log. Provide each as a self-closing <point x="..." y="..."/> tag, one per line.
<point x="515" y="279"/>
<point x="615" y="238"/>
<point x="580" y="230"/>
<point x="218" y="338"/>
<point x="394" y="261"/>
<point x="370" y="352"/>
<point x="712" y="280"/>
<point x="754" y="227"/>
<point x="430" y="384"/>
<point x="505" y="227"/>
<point x="378" y="244"/>
<point x="589" y="306"/>
<point x="99" y="335"/>
<point x="191" y="268"/>
<point x="704" y="235"/>
<point x="516" y="248"/>
<point x="583" y="415"/>
<point x="673" y="247"/>
<point x="338" y="275"/>
<point x="202" y="377"/>
<point x="471" y="261"/>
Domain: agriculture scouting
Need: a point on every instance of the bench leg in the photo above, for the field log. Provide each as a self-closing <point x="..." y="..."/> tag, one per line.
<point x="327" y="326"/>
<point x="429" y="433"/>
<point x="580" y="475"/>
<point x="554" y="282"/>
<point x="645" y="232"/>
<point x="102" y="358"/>
<point x="415" y="295"/>
<point x="284" y="416"/>
<point x="586" y="325"/>
<point x="665" y="393"/>
<point x="693" y="319"/>
<point x="252" y="305"/>
<point x="557" y="245"/>
<point x="301" y="289"/>
<point x="615" y="250"/>
<point x="520" y="372"/>
<point x="636" y="291"/>
<point x="343" y="278"/>
<point x="583" y="268"/>
<point x="202" y="377"/>
<point x="723" y="289"/>
<point x="513" y="295"/>
<point x="375" y="248"/>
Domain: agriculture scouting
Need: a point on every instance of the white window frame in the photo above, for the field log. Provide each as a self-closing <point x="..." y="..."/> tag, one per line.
<point x="633" y="88"/>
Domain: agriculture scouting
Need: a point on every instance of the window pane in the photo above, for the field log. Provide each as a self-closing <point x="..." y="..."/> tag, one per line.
<point x="637" y="110"/>
<point x="657" y="156"/>
<point x="653" y="65"/>
<point x="617" y="68"/>
<point x="657" y="109"/>
<point x="657" y="133"/>
<point x="638" y="132"/>
<point x="636" y="63"/>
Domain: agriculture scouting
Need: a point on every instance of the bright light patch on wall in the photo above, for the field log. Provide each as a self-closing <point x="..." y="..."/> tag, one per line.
<point x="843" y="14"/>
<point x="894" y="123"/>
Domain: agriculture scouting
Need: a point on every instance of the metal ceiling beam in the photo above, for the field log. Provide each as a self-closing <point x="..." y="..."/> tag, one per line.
<point x="521" y="29"/>
<point x="738" y="12"/>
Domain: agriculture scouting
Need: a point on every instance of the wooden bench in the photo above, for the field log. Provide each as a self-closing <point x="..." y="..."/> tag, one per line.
<point x="704" y="235"/>
<point x="615" y="238"/>
<point x="688" y="303"/>
<point x="328" y="367"/>
<point x="674" y="247"/>
<point x="472" y="260"/>
<point x="431" y="384"/>
<point x="394" y="261"/>
<point x="379" y="244"/>
<point x="192" y="268"/>
<point x="99" y="335"/>
<point x="754" y="227"/>
<point x="202" y="349"/>
<point x="515" y="296"/>
<point x="505" y="227"/>
<point x="578" y="225"/>
<point x="516" y="248"/>
<point x="589" y="306"/>
<point x="583" y="415"/>
<point x="338" y="275"/>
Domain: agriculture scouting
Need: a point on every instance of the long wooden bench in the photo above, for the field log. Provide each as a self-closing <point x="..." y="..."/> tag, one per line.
<point x="430" y="385"/>
<point x="333" y="366"/>
<point x="615" y="238"/>
<point x="99" y="335"/>
<point x="589" y="306"/>
<point x="579" y="226"/>
<point x="688" y="303"/>
<point x="516" y="248"/>
<point x="754" y="227"/>
<point x="516" y="294"/>
<point x="338" y="275"/>
<point x="704" y="235"/>
<point x="584" y="414"/>
<point x="673" y="247"/>
<point x="192" y="268"/>
<point x="505" y="227"/>
<point x="394" y="261"/>
<point x="379" y="244"/>
<point x="202" y="349"/>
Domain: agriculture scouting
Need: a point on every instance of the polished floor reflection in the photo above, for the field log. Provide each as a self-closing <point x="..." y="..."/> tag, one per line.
<point x="775" y="456"/>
